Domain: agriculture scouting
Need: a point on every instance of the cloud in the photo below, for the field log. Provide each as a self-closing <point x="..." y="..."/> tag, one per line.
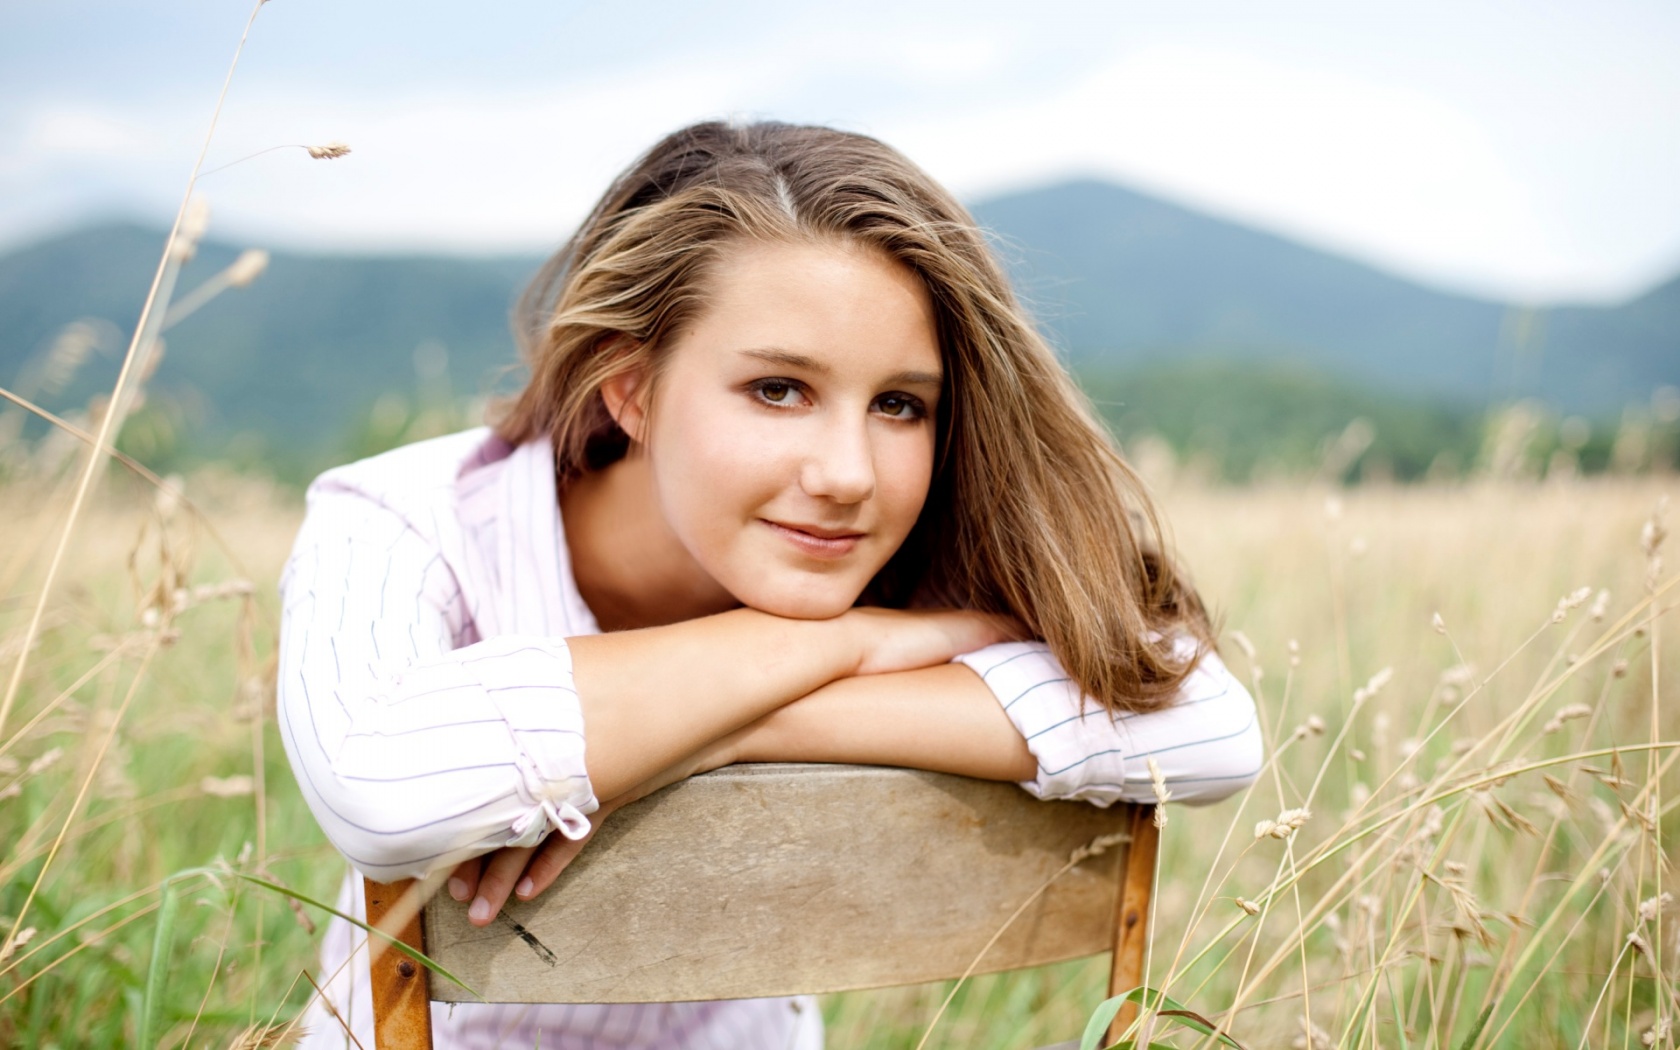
<point x="1388" y="174"/>
<point x="1518" y="154"/>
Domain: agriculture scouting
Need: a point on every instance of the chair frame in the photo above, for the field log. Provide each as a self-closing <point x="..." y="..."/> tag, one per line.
<point x="401" y="986"/>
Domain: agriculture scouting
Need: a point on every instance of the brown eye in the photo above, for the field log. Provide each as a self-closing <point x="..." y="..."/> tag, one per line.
<point x="778" y="392"/>
<point x="898" y="406"/>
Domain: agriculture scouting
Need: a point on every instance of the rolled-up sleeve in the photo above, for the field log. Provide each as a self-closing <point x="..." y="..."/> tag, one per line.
<point x="414" y="751"/>
<point x="1207" y="743"/>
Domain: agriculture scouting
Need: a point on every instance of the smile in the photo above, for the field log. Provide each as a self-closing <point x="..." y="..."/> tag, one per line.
<point x="818" y="543"/>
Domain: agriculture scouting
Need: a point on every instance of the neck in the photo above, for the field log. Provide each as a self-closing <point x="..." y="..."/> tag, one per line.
<point x="630" y="568"/>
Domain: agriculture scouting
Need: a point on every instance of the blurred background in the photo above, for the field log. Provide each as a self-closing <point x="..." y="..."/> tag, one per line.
<point x="1290" y="240"/>
<point x="1383" y="298"/>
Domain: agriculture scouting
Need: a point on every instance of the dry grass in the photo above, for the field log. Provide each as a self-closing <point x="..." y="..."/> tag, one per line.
<point x="1460" y="854"/>
<point x="1459" y="840"/>
<point x="1423" y="850"/>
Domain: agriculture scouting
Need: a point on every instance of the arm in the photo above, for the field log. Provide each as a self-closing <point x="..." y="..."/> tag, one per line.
<point x="414" y="743"/>
<point x="1011" y="714"/>
<point x="651" y="698"/>
<point x="414" y="751"/>
<point x="940" y="718"/>
<point x="1207" y="742"/>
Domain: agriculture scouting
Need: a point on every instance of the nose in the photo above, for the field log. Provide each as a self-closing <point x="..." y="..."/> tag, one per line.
<point x="841" y="463"/>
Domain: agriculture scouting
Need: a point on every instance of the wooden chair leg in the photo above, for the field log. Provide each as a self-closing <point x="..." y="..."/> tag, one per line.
<point x="402" y="1006"/>
<point x="1131" y="934"/>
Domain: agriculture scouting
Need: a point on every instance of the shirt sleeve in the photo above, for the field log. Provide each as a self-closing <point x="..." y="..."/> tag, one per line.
<point x="413" y="751"/>
<point x="1207" y="742"/>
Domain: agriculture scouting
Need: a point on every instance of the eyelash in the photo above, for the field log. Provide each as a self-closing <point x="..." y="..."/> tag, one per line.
<point x="916" y="410"/>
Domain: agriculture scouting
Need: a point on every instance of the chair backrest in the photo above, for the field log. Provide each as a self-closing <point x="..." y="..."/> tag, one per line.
<point x="779" y="879"/>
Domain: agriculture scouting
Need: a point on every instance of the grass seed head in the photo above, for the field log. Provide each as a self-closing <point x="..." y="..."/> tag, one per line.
<point x="1566" y="714"/>
<point x="267" y="1037"/>
<point x="1095" y="848"/>
<point x="47" y="760"/>
<point x="247" y="268"/>
<point x="1600" y="606"/>
<point x="194" y="223"/>
<point x="1158" y="783"/>
<point x="330" y="151"/>
<point x="1652" y="907"/>
<point x="1559" y="788"/>
<point x="1373" y="685"/>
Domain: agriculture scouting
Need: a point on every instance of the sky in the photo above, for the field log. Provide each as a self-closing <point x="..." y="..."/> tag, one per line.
<point x="1526" y="151"/>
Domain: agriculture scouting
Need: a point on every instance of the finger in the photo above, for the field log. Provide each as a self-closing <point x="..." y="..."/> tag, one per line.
<point x="554" y="857"/>
<point x="496" y="883"/>
<point x="558" y="852"/>
<point x="463" y="881"/>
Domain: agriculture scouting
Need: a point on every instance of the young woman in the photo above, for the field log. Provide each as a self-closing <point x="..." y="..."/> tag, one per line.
<point x="793" y="478"/>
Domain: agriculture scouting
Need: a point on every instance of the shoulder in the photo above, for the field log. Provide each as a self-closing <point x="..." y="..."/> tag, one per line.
<point x="423" y="472"/>
<point x="421" y="485"/>
<point x="409" y="490"/>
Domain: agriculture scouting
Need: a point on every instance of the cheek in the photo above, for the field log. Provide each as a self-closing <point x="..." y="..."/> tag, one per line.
<point x="714" y="469"/>
<point x="903" y="478"/>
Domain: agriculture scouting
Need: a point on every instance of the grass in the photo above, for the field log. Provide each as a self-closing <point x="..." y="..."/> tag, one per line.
<point x="1459" y="841"/>
<point x="1464" y="868"/>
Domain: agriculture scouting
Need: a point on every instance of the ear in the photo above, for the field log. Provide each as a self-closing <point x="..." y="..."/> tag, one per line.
<point x="625" y="395"/>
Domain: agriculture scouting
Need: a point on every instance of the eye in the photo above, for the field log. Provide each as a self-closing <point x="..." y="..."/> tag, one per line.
<point x="900" y="406"/>
<point x="778" y="392"/>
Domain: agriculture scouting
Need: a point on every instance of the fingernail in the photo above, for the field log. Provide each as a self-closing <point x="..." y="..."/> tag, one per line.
<point x="526" y="887"/>
<point x="480" y="910"/>
<point x="458" y="889"/>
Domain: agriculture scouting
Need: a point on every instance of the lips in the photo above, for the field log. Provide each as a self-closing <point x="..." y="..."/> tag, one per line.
<point x="815" y="540"/>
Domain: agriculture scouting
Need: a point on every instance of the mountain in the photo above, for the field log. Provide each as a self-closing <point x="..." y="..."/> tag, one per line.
<point x="286" y="370"/>
<point x="1125" y="279"/>
<point x="288" y="363"/>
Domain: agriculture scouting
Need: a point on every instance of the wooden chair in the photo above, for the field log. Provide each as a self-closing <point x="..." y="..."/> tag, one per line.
<point x="783" y="879"/>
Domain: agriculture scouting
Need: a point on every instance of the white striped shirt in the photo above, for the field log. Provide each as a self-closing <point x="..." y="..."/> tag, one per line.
<point x="426" y="704"/>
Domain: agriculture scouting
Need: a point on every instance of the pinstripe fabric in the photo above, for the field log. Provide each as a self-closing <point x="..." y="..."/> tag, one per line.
<point x="1207" y="744"/>
<point x="426" y="704"/>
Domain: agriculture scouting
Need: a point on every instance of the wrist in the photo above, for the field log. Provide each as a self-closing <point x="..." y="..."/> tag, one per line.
<point x="853" y="641"/>
<point x="758" y="742"/>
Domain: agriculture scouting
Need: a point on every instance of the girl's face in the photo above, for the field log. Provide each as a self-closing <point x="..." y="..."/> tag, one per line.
<point x="791" y="440"/>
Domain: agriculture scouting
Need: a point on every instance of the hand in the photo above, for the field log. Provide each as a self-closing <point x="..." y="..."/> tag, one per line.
<point x="525" y="871"/>
<point x="520" y="871"/>
<point x="906" y="640"/>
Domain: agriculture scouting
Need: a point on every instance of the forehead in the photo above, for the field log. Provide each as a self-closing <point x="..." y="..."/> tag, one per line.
<point x="846" y="306"/>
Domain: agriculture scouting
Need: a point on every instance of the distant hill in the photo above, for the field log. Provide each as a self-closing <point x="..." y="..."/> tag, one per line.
<point x="287" y="364"/>
<point x="1127" y="279"/>
<point x="286" y="370"/>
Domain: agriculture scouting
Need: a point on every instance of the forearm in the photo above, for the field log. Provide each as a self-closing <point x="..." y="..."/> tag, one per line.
<point x="941" y="718"/>
<point x="652" y="697"/>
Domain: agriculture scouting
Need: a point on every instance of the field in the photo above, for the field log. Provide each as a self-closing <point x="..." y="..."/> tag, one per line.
<point x="1462" y="822"/>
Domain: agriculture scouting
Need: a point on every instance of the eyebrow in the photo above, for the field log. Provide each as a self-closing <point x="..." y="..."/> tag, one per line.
<point x="776" y="356"/>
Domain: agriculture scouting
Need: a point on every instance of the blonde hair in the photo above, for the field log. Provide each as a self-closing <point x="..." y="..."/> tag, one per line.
<point x="1031" y="512"/>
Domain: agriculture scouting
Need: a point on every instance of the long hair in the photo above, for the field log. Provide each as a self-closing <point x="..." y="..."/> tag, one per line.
<point x="1031" y="511"/>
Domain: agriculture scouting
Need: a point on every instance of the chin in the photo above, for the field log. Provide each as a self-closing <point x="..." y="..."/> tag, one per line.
<point x="801" y="603"/>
